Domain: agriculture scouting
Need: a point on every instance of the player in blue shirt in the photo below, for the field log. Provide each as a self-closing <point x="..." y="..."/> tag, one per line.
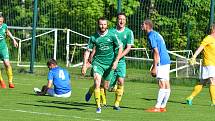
<point x="161" y="65"/>
<point x="58" y="77"/>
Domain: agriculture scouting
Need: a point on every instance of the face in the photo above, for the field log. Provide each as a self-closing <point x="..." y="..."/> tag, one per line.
<point x="121" y="21"/>
<point x="103" y="25"/>
<point x="1" y="20"/>
<point x="144" y="27"/>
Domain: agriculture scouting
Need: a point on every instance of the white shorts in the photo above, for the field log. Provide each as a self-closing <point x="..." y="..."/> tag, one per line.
<point x="163" y="72"/>
<point x="51" y="92"/>
<point x="207" y="72"/>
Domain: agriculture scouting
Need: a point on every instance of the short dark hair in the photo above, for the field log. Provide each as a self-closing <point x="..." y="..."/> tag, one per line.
<point x="149" y="23"/>
<point x="51" y="61"/>
<point x="101" y="18"/>
<point x="121" y="13"/>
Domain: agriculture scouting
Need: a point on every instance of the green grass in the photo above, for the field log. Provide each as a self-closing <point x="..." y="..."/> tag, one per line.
<point x="20" y="104"/>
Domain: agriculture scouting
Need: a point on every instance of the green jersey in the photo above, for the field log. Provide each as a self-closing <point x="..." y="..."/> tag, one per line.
<point x="126" y="37"/>
<point x="105" y="47"/>
<point x="3" y="30"/>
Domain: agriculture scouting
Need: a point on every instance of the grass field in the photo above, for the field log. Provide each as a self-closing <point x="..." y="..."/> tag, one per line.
<point x="21" y="104"/>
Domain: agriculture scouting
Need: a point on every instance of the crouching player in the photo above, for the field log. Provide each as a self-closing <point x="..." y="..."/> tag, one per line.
<point x="58" y="77"/>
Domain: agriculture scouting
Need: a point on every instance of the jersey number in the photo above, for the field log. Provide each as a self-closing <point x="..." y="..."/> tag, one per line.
<point x="61" y="75"/>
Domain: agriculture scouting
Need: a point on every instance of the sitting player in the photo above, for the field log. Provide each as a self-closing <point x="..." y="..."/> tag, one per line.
<point x="58" y="77"/>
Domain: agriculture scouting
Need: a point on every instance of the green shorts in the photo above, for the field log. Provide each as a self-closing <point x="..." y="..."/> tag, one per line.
<point x="4" y="54"/>
<point x="120" y="72"/>
<point x="105" y="71"/>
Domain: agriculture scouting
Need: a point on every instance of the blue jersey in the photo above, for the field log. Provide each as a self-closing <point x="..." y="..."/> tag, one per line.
<point x="61" y="80"/>
<point x="157" y="41"/>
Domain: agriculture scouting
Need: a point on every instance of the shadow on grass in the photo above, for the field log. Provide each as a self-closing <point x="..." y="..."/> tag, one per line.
<point x="152" y="99"/>
<point x="52" y="106"/>
<point x="86" y="104"/>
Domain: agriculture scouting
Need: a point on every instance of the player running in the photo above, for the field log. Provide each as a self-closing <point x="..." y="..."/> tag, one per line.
<point x="161" y="65"/>
<point x="126" y="36"/>
<point x="104" y="61"/>
<point x="4" y="54"/>
<point x="208" y="68"/>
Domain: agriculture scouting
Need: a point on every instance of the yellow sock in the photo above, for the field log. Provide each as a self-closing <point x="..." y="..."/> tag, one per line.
<point x="118" y="94"/>
<point x="103" y="96"/>
<point x="212" y="92"/>
<point x="1" y="78"/>
<point x="197" y="89"/>
<point x="97" y="97"/>
<point x="9" y="74"/>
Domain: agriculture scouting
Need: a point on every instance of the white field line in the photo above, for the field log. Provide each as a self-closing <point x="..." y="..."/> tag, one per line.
<point x="50" y="114"/>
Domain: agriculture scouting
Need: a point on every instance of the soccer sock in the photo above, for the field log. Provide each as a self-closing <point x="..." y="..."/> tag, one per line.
<point x="160" y="98"/>
<point x="1" y="78"/>
<point x="91" y="89"/>
<point x="118" y="94"/>
<point x="212" y="92"/>
<point x="103" y="96"/>
<point x="97" y="97"/>
<point x="197" y="89"/>
<point x="166" y="98"/>
<point x="9" y="74"/>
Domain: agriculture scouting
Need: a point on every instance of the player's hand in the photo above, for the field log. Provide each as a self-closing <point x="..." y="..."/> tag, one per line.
<point x="153" y="72"/>
<point x="15" y="43"/>
<point x="192" y="61"/>
<point x="115" y="65"/>
<point x="88" y="65"/>
<point x="84" y="70"/>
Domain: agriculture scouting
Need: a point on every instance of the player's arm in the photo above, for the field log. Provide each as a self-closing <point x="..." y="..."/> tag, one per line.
<point x="118" y="44"/>
<point x="11" y="36"/>
<point x="156" y="59"/>
<point x="45" y="88"/>
<point x="84" y="66"/>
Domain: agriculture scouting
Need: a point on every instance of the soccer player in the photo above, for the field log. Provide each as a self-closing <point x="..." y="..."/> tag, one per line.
<point x="104" y="61"/>
<point x="60" y="78"/>
<point x="161" y="65"/>
<point x="208" y="68"/>
<point x="4" y="54"/>
<point x="126" y="36"/>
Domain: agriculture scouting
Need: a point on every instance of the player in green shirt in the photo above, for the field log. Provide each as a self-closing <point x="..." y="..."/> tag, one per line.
<point x="4" y="54"/>
<point x="126" y="36"/>
<point x="104" y="61"/>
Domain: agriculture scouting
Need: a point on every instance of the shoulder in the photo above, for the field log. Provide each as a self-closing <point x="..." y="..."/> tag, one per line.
<point x="128" y="29"/>
<point x="4" y="25"/>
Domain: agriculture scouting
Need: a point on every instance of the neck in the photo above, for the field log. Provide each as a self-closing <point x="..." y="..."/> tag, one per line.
<point x="102" y="33"/>
<point x="120" y="28"/>
<point x="149" y="30"/>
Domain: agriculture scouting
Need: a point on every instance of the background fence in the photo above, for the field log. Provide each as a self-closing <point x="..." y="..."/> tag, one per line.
<point x="183" y="23"/>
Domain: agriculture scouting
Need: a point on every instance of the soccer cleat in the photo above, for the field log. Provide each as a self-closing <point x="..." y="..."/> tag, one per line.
<point x="162" y="109"/>
<point x="3" y="85"/>
<point x="11" y="85"/>
<point x="154" y="110"/>
<point x="98" y="110"/>
<point x="87" y="96"/>
<point x="116" y="108"/>
<point x="36" y="90"/>
<point x="189" y="101"/>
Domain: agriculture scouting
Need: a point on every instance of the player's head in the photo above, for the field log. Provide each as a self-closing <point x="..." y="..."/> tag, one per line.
<point x="51" y="63"/>
<point x="102" y="24"/>
<point x="1" y="20"/>
<point x="121" y="20"/>
<point x="147" y="25"/>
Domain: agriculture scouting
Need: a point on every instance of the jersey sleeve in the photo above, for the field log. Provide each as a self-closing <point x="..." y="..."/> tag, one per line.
<point x="152" y="40"/>
<point x="90" y="44"/>
<point x="205" y="41"/>
<point x="50" y="76"/>
<point x="130" y="38"/>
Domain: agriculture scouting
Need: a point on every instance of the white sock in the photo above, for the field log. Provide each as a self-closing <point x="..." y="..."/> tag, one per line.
<point x="166" y="98"/>
<point x="160" y="98"/>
